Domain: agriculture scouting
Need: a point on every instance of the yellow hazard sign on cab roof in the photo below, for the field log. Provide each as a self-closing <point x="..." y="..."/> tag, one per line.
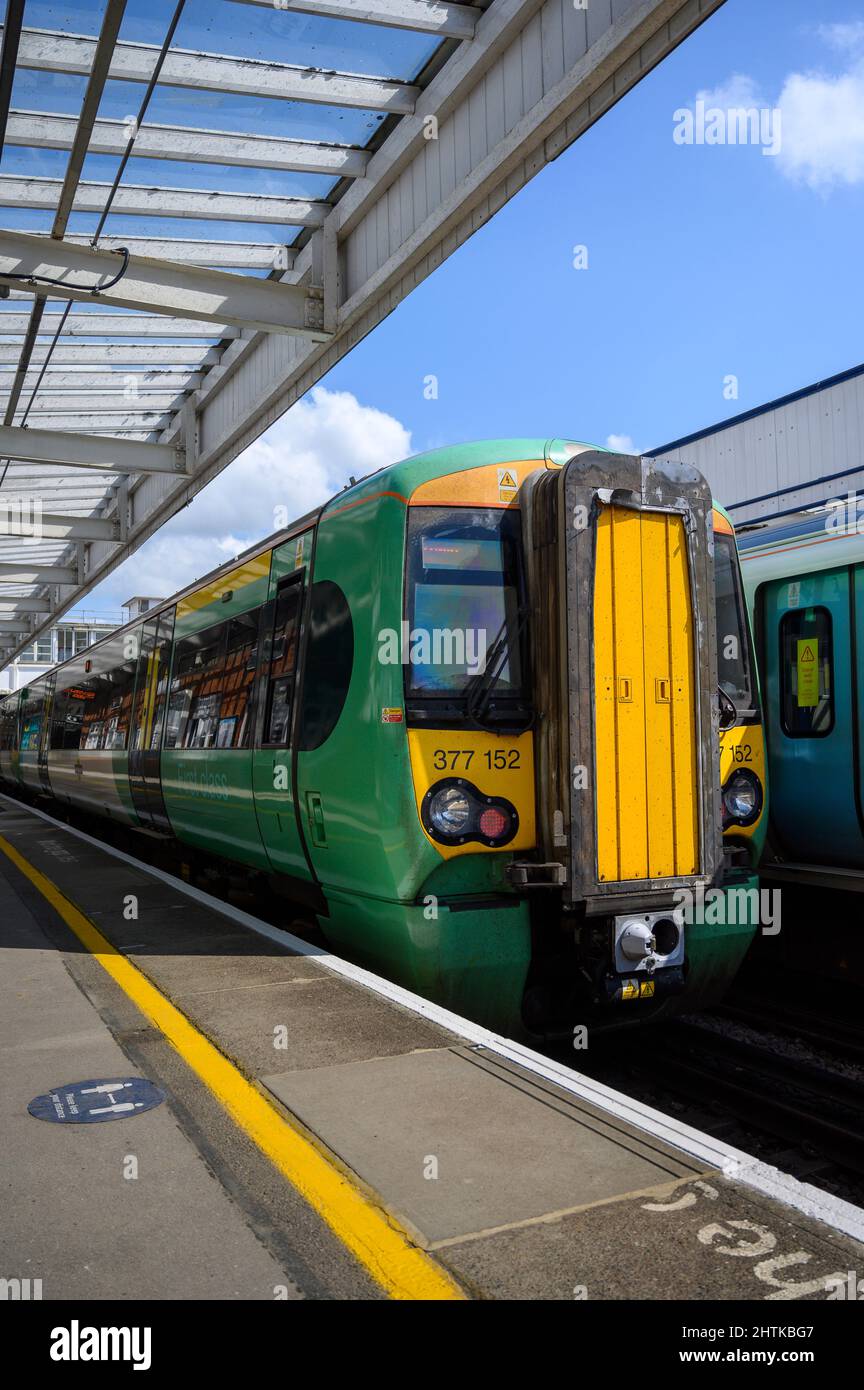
<point x="508" y="484"/>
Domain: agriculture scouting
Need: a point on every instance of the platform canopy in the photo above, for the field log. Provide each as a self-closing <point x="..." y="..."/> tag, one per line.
<point x="206" y="204"/>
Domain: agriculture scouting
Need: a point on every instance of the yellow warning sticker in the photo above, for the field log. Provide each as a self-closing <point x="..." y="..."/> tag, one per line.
<point x="637" y="989"/>
<point x="508" y="484"/>
<point x="807" y="665"/>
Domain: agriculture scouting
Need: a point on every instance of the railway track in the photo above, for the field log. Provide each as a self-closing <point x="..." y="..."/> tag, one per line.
<point x="795" y="1100"/>
<point x="843" y="1036"/>
<point x="803" y="1116"/>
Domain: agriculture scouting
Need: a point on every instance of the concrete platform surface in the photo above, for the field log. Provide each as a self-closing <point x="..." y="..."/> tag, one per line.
<point x="520" y="1187"/>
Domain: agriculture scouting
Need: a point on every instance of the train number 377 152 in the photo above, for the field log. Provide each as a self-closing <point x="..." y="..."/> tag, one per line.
<point x="460" y="759"/>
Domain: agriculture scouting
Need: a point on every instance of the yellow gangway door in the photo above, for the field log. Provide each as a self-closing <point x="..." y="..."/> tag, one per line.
<point x="644" y="698"/>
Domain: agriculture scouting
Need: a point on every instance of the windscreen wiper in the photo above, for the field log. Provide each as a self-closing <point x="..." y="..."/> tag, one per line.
<point x="478" y="691"/>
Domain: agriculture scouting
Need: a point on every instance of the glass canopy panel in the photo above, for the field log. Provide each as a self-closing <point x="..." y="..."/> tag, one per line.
<point x="60" y="93"/>
<point x="252" y="31"/>
<point x="224" y="178"/>
<point x="282" y="36"/>
<point x="241" y="115"/>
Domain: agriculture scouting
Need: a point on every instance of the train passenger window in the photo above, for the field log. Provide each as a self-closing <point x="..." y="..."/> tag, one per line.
<point x="807" y="673"/>
<point x="118" y="690"/>
<point x="98" y="700"/>
<point x="281" y="666"/>
<point x="71" y="702"/>
<point x="235" y="716"/>
<point x="8" y="724"/>
<point x="197" y="683"/>
<point x="32" y="706"/>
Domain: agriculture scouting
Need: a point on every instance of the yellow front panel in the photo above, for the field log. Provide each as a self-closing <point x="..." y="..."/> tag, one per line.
<point x="659" y="757"/>
<point x="646" y="795"/>
<point x="496" y="764"/>
<point x="743" y="747"/>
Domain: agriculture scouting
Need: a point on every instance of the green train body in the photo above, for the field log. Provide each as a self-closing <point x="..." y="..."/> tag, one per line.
<point x="284" y="714"/>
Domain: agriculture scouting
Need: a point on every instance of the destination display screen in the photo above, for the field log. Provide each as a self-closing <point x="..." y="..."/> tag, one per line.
<point x="457" y="553"/>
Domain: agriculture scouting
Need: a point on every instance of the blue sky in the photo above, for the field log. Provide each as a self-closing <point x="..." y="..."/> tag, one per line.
<point x="704" y="261"/>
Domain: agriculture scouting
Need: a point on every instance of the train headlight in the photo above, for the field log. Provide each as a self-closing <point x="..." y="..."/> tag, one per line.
<point x="455" y="812"/>
<point x="449" y="811"/>
<point x="742" y="799"/>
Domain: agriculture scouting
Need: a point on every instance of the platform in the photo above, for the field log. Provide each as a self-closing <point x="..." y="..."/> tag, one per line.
<point x="328" y="1135"/>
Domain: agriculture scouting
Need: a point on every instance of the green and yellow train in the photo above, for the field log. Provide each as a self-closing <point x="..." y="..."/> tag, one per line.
<point x="468" y="715"/>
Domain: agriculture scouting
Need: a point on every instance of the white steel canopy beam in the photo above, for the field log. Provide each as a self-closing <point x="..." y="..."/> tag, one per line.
<point x="24" y="605"/>
<point x="94" y="325"/>
<point x="51" y="51"/>
<point x="84" y="451"/>
<point x="85" y="402"/>
<point x="36" y="574"/>
<point x="80" y="494"/>
<point x="161" y="286"/>
<point x="86" y="355"/>
<point x="221" y="255"/>
<point x="141" y="424"/>
<point x="43" y="130"/>
<point x="85" y="379"/>
<point x="52" y="526"/>
<point x="424" y="16"/>
<point x="17" y="192"/>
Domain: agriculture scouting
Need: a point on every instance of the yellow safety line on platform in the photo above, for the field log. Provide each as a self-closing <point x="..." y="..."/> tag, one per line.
<point x="383" y="1248"/>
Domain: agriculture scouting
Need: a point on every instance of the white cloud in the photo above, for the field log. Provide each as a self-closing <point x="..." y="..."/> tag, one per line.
<point x="821" y="135"/>
<point x="846" y="37"/>
<point x="823" y="128"/>
<point x="303" y="459"/>
<point x="738" y="90"/>
<point x="621" y="444"/>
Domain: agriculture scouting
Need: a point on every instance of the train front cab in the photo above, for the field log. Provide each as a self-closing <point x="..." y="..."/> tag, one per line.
<point x="647" y="645"/>
<point x="575" y="867"/>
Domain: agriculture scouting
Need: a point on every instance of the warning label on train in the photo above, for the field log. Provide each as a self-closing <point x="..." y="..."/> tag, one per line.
<point x="92" y="1102"/>
<point x="808" y="672"/>
<point x="508" y="483"/>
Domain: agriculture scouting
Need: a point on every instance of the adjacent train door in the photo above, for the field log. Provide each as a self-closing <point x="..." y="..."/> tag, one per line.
<point x="273" y="774"/>
<point x="813" y="714"/>
<point x="145" y="742"/>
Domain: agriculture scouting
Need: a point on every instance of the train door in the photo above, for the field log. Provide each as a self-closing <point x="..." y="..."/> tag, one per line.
<point x="274" y="774"/>
<point x="812" y="716"/>
<point x="145" y="741"/>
